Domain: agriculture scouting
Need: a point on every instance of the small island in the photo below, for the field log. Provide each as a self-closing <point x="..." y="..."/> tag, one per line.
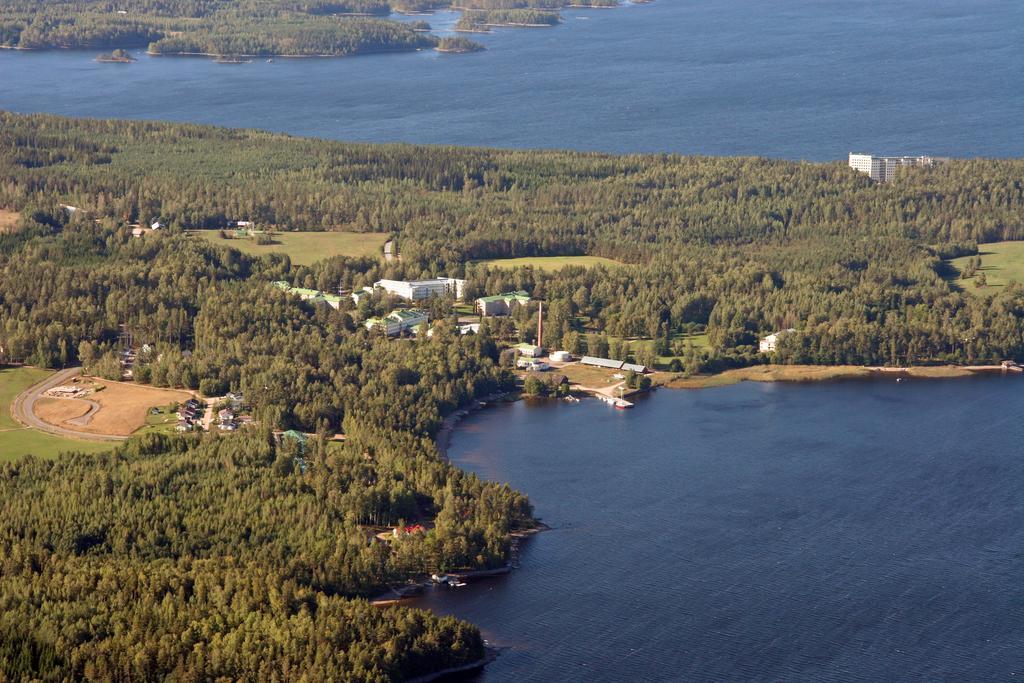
<point x="458" y="45"/>
<point x="116" y="57"/>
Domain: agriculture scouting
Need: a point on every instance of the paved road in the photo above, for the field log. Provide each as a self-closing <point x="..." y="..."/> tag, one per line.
<point x="23" y="409"/>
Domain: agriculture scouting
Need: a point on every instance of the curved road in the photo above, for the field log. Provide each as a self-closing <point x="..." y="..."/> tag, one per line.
<point x="23" y="409"/>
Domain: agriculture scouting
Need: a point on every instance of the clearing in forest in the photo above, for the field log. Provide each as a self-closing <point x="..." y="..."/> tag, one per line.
<point x="8" y="220"/>
<point x="1001" y="262"/>
<point x="16" y="440"/>
<point x="123" y="408"/>
<point x="304" y="248"/>
<point x="551" y="262"/>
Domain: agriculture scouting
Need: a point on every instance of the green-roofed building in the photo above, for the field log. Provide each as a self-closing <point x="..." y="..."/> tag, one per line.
<point x="398" y="321"/>
<point x="501" y="304"/>
<point x="314" y="296"/>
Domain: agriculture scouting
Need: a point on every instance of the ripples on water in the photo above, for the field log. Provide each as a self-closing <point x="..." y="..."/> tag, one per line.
<point x="862" y="531"/>
<point x="801" y="79"/>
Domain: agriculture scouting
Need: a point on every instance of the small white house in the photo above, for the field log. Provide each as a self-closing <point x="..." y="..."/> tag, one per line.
<point x="561" y="356"/>
<point x="770" y="343"/>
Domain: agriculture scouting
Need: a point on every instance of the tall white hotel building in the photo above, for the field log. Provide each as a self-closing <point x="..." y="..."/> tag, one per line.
<point x="883" y="169"/>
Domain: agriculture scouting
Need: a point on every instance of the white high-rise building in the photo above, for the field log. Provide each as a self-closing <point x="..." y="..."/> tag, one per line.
<point x="883" y="169"/>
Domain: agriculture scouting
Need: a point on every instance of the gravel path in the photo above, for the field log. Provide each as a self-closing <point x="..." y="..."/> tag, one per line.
<point x="23" y="409"/>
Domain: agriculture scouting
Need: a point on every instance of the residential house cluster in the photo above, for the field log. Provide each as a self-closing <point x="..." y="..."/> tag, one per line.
<point x="190" y="413"/>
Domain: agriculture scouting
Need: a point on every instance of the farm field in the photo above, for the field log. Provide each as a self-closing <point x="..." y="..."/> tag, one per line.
<point x="124" y="408"/>
<point x="1001" y="262"/>
<point x="550" y="262"/>
<point x="15" y="440"/>
<point x="305" y="248"/>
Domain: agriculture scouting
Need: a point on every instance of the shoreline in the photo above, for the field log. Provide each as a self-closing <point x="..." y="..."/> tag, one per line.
<point x="827" y="373"/>
<point x="443" y="439"/>
<point x="490" y="654"/>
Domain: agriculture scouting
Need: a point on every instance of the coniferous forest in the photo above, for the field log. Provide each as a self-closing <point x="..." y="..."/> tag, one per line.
<point x="246" y="556"/>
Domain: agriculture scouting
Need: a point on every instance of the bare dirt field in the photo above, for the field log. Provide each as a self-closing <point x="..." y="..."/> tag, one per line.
<point x="8" y="220"/>
<point x="123" y="408"/>
<point x="56" y="411"/>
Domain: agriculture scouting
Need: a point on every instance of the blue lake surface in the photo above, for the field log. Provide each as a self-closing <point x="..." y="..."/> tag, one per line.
<point x="855" y="531"/>
<point x="799" y="79"/>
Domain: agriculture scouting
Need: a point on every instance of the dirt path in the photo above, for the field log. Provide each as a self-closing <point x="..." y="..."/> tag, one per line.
<point x="23" y="409"/>
<point x="610" y="391"/>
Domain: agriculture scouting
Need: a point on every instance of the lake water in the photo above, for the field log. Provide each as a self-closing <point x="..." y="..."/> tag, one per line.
<point x="858" y="531"/>
<point x="800" y="79"/>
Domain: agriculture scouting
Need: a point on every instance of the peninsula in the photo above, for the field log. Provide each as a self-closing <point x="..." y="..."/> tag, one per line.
<point x="313" y="370"/>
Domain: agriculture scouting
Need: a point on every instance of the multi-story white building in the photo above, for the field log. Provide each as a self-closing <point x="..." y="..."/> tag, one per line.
<point x="883" y="169"/>
<point x="417" y="290"/>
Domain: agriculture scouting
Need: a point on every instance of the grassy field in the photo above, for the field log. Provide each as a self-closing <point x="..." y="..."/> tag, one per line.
<point x="551" y="262"/>
<point x="305" y="248"/>
<point x="15" y="440"/>
<point x="1002" y="263"/>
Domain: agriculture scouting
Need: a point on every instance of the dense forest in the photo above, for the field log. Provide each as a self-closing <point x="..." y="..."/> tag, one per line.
<point x="245" y="27"/>
<point x="736" y="246"/>
<point x="233" y="556"/>
<point x="244" y="556"/>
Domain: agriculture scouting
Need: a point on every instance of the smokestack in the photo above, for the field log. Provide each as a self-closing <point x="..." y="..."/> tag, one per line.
<point x="540" y="326"/>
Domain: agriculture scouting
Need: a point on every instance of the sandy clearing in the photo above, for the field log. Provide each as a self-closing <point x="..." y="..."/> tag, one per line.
<point x="8" y="220"/>
<point x="59" y="410"/>
<point x="123" y="407"/>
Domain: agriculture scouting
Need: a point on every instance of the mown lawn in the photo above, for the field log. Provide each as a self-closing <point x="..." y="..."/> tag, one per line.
<point x="15" y="440"/>
<point x="1001" y="262"/>
<point x="305" y="248"/>
<point x="551" y="262"/>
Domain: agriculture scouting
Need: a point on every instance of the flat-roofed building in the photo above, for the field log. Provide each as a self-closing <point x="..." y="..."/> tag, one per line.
<point x="418" y="290"/>
<point x="883" y="169"/>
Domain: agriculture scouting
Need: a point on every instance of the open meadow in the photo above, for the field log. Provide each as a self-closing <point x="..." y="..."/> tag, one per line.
<point x="550" y="263"/>
<point x="1001" y="262"/>
<point x="16" y="440"/>
<point x="304" y="248"/>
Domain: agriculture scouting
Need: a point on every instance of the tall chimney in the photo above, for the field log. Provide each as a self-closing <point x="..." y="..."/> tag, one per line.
<point x="540" y="326"/>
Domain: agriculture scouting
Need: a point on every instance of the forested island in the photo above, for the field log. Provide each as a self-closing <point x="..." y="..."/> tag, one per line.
<point x="246" y="555"/>
<point x="458" y="45"/>
<point x="296" y="28"/>
<point x="116" y="57"/>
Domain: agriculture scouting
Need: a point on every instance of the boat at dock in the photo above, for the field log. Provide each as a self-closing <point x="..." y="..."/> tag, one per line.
<point x="619" y="403"/>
